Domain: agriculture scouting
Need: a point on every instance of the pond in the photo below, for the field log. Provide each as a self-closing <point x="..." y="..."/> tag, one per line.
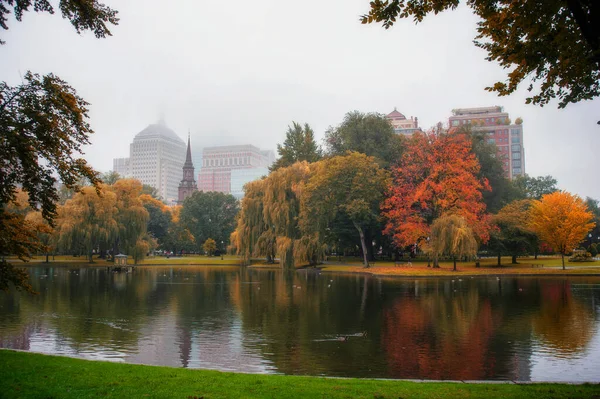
<point x="311" y="323"/>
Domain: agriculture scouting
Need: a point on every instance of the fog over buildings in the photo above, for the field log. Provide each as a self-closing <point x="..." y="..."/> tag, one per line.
<point x="236" y="73"/>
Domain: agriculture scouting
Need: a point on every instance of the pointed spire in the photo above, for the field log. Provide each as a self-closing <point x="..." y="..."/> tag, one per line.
<point x="188" y="157"/>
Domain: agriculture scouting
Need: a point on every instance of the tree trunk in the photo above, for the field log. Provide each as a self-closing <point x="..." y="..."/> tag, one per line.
<point x="91" y="256"/>
<point x="454" y="261"/>
<point x="514" y="259"/>
<point x="362" y="243"/>
<point x="436" y="262"/>
<point x="499" y="260"/>
<point x="47" y="260"/>
<point x="563" y="260"/>
<point x="369" y="242"/>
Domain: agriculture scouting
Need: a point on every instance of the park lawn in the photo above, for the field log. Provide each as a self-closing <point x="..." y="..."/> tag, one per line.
<point x="525" y="266"/>
<point x="29" y="375"/>
<point x="154" y="260"/>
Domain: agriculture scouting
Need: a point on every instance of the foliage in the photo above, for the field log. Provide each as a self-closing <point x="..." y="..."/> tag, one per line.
<point x="553" y="42"/>
<point x="299" y="145"/>
<point x="88" y="221"/>
<point x="131" y="217"/>
<point x="451" y="235"/>
<point x="110" y="178"/>
<point x="159" y="218"/>
<point x="151" y="191"/>
<point x="352" y="185"/>
<point x="83" y="14"/>
<point x="268" y="223"/>
<point x="527" y="187"/>
<point x="593" y="249"/>
<point x="501" y="190"/>
<point x="581" y="255"/>
<point x="562" y="220"/>
<point x="178" y="237"/>
<point x="209" y="246"/>
<point x="43" y="125"/>
<point x="437" y="175"/>
<point x="513" y="235"/>
<point x="209" y="215"/>
<point x="370" y="134"/>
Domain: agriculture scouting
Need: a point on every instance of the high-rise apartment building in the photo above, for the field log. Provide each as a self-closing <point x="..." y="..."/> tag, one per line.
<point x="401" y="124"/>
<point x="499" y="130"/>
<point x="156" y="157"/>
<point x="219" y="162"/>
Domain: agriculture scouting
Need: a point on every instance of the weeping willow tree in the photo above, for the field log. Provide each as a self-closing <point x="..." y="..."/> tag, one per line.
<point x="451" y="236"/>
<point x="87" y="221"/>
<point x="132" y="219"/>
<point x="268" y="225"/>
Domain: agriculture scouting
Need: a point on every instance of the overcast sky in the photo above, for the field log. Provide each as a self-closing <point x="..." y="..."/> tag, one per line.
<point x="239" y="72"/>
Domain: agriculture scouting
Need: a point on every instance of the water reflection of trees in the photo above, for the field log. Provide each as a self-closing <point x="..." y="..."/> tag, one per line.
<point x="306" y="322"/>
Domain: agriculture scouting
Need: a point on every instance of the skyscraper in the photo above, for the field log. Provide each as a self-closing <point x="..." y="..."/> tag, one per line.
<point x="187" y="186"/>
<point x="499" y="130"/>
<point x="156" y="157"/>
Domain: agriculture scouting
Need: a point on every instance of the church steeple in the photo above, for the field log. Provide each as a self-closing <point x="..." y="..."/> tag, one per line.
<point x="187" y="186"/>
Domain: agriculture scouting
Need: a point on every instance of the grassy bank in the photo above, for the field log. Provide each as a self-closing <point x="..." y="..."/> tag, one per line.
<point x="27" y="375"/>
<point x="489" y="266"/>
<point x="153" y="260"/>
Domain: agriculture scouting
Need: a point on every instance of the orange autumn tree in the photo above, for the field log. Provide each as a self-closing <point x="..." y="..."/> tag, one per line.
<point x="436" y="176"/>
<point x="562" y="220"/>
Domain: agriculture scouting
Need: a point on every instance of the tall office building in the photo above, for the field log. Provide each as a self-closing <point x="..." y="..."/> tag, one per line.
<point x="219" y="162"/>
<point x="499" y="130"/>
<point x="401" y="124"/>
<point x="156" y="157"/>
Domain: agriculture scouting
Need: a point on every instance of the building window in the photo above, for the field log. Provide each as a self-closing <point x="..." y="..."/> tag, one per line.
<point x="516" y="164"/>
<point x="516" y="147"/>
<point x="516" y="171"/>
<point x="515" y="139"/>
<point x="492" y="141"/>
<point x="516" y="155"/>
<point x="515" y="132"/>
<point x="455" y="123"/>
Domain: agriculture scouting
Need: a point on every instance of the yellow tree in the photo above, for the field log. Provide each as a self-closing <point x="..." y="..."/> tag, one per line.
<point x="209" y="246"/>
<point x="451" y="235"/>
<point x="131" y="216"/>
<point x="88" y="221"/>
<point x="562" y="220"/>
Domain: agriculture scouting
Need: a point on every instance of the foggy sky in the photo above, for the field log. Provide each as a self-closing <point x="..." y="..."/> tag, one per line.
<point x="240" y="72"/>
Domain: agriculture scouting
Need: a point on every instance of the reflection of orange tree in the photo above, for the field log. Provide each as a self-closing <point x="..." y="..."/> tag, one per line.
<point x="429" y="338"/>
<point x="563" y="323"/>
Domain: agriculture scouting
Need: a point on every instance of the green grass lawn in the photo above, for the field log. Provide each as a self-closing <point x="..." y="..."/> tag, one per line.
<point x="27" y="375"/>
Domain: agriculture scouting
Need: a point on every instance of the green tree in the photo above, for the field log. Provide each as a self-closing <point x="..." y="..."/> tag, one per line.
<point x="513" y="236"/>
<point x="370" y="134"/>
<point x="151" y="191"/>
<point x="159" y="218"/>
<point x="452" y="236"/>
<point x="209" y="246"/>
<point x="178" y="236"/>
<point x="110" y="178"/>
<point x="352" y="185"/>
<point x="593" y="249"/>
<point x="555" y="43"/>
<point x="527" y="187"/>
<point x="299" y="145"/>
<point x="210" y="215"/>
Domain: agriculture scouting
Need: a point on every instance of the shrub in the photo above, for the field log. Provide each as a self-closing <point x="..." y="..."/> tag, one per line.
<point x="581" y="255"/>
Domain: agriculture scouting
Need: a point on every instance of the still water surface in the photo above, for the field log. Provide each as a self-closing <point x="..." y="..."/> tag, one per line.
<point x="239" y="319"/>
